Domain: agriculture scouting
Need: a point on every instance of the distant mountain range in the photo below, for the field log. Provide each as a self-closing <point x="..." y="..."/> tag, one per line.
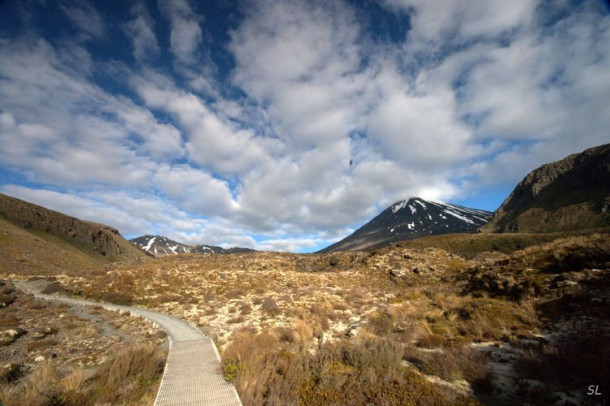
<point x="160" y="246"/>
<point x="410" y="219"/>
<point x="570" y="194"/>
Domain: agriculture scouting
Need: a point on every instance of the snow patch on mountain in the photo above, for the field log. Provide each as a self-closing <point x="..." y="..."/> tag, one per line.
<point x="399" y="206"/>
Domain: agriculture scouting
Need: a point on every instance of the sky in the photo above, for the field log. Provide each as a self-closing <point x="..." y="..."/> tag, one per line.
<point x="285" y="125"/>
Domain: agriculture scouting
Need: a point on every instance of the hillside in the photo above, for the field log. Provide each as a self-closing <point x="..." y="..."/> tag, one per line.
<point x="570" y="194"/>
<point x="34" y="236"/>
<point x="411" y="219"/>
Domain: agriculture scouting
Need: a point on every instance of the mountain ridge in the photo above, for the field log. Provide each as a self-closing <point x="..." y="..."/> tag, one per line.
<point x="161" y="246"/>
<point x="409" y="219"/>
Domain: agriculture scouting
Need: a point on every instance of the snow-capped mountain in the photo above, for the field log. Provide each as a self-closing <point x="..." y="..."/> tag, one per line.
<point x="410" y="219"/>
<point x="161" y="246"/>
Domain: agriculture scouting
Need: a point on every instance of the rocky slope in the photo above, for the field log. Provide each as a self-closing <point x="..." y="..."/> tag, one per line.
<point x="410" y="219"/>
<point x="97" y="240"/>
<point x="161" y="246"/>
<point x="570" y="194"/>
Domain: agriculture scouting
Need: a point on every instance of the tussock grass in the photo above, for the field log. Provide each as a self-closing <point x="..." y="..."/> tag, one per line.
<point x="131" y="375"/>
<point x="268" y="369"/>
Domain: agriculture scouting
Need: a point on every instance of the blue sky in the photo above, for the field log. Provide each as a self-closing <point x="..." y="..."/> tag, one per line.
<point x="234" y="123"/>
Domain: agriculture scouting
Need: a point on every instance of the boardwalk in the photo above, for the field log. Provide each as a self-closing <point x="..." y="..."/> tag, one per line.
<point x="192" y="373"/>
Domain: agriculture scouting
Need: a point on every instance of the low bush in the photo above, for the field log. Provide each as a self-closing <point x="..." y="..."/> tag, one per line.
<point x="118" y="298"/>
<point x="269" y="368"/>
<point x="270" y="306"/>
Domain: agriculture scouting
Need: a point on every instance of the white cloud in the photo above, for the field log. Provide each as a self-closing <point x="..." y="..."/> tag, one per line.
<point x="86" y="18"/>
<point x="437" y="22"/>
<point x="85" y="135"/>
<point x="288" y="244"/>
<point x="140" y="30"/>
<point x="195" y="190"/>
<point x="213" y="142"/>
<point x="186" y="35"/>
<point x="422" y="131"/>
<point x="82" y="207"/>
<point x="301" y="61"/>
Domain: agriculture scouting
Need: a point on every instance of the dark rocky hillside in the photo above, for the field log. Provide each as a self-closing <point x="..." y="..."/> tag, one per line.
<point x="570" y="194"/>
<point x="99" y="240"/>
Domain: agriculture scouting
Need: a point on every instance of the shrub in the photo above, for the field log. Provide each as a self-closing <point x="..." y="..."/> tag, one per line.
<point x="235" y="293"/>
<point x="118" y="298"/>
<point x="451" y="363"/>
<point x="367" y="371"/>
<point x="380" y="324"/>
<point x="270" y="306"/>
<point x="236" y="319"/>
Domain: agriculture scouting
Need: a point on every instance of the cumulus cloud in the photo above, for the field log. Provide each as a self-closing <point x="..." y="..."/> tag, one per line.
<point x="140" y="30"/>
<point x="83" y="207"/>
<point x="438" y="23"/>
<point x="85" y="18"/>
<point x="186" y="34"/>
<point x="195" y="190"/>
<point x="302" y="62"/>
<point x="213" y="141"/>
<point x="85" y="135"/>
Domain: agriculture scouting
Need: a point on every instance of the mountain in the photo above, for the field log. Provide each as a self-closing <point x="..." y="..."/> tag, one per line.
<point x="38" y="238"/>
<point x="161" y="246"/>
<point x="410" y="219"/>
<point x="570" y="194"/>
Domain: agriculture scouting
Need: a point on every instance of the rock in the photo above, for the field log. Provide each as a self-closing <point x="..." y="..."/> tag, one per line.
<point x="6" y="299"/>
<point x="160" y="334"/>
<point x="9" y="336"/>
<point x="47" y="331"/>
<point x="10" y="372"/>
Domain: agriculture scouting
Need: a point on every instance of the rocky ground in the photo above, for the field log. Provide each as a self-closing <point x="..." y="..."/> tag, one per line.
<point x="396" y="325"/>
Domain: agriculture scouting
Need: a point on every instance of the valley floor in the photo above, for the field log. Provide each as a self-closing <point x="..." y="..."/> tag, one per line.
<point x="396" y="325"/>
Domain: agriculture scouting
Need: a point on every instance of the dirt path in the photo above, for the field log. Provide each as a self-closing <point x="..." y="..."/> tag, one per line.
<point x="192" y="373"/>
